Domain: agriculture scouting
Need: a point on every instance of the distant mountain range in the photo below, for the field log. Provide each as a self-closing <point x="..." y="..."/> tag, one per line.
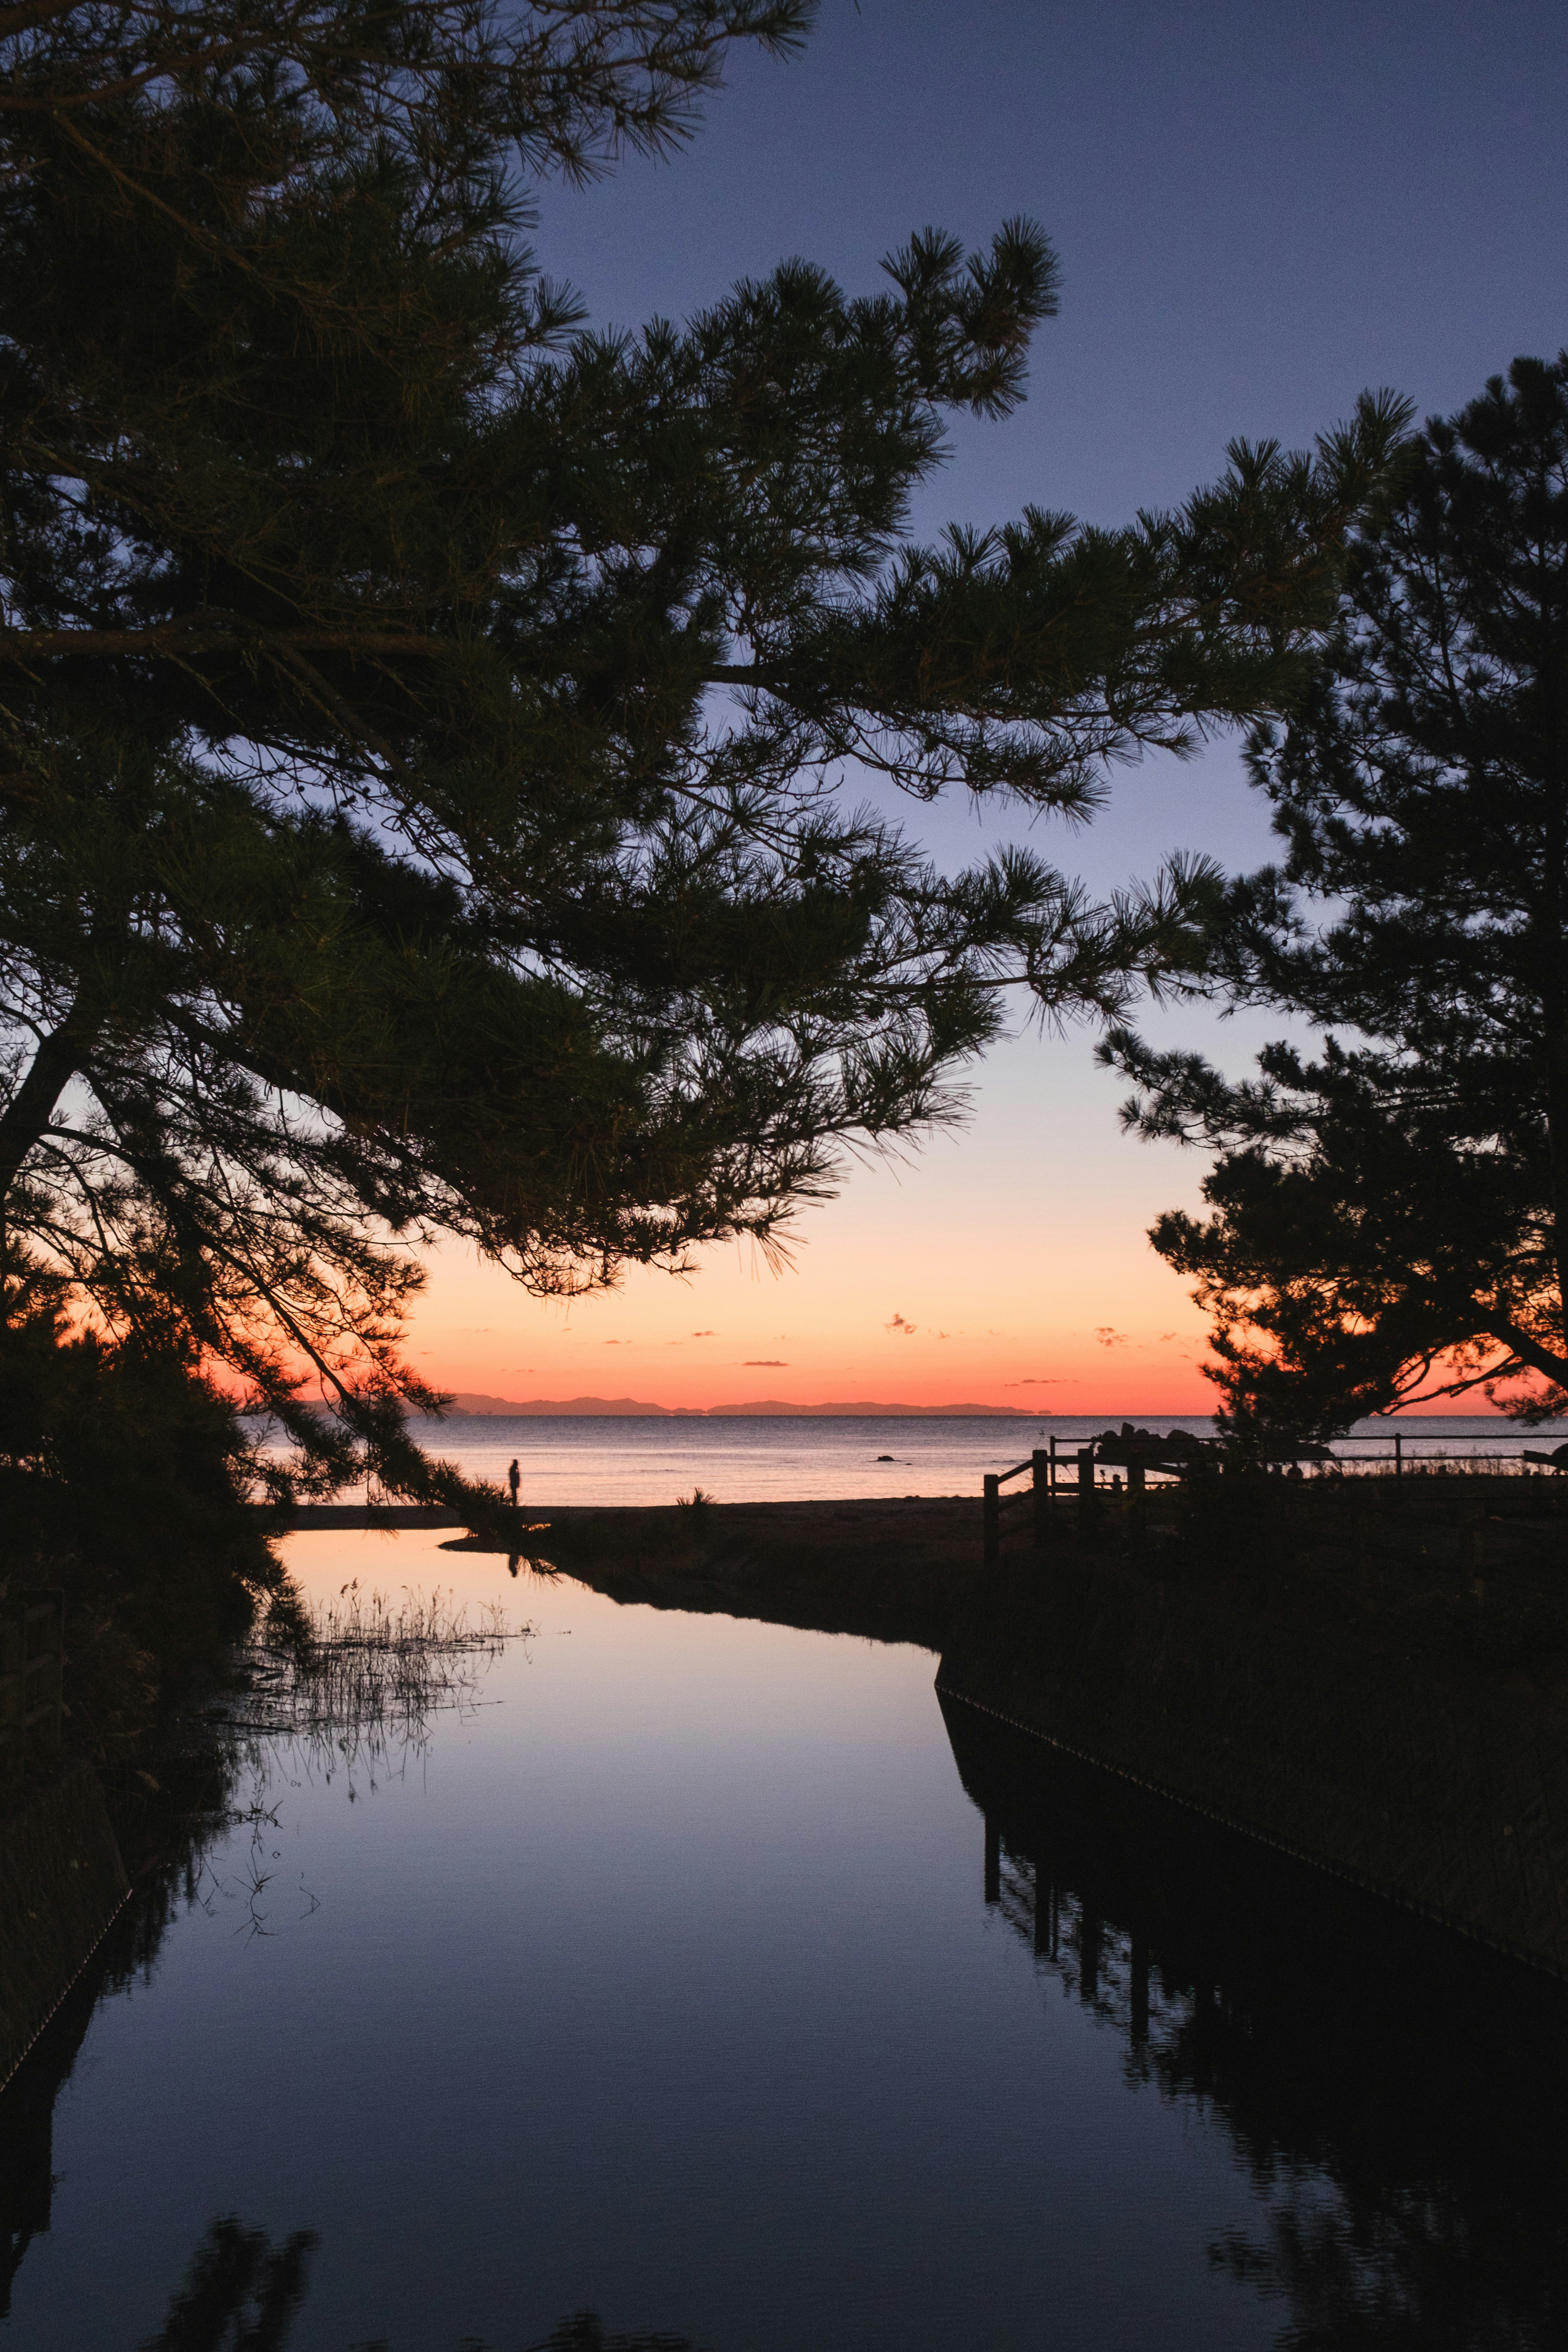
<point x="467" y="1401"/>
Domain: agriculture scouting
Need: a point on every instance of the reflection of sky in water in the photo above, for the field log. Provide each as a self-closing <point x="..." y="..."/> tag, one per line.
<point x="612" y="1460"/>
<point x="661" y="1982"/>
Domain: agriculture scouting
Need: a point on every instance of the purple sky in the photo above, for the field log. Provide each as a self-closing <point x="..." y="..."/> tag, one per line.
<point x="1260" y="211"/>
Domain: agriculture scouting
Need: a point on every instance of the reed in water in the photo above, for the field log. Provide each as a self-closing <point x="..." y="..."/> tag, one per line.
<point x="354" y="1680"/>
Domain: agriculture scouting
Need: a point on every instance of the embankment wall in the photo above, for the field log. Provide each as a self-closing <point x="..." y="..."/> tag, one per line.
<point x="1445" y="1789"/>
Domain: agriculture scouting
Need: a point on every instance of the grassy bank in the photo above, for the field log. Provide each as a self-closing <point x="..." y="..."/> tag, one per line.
<point x="896" y="1571"/>
<point x="1466" y="1571"/>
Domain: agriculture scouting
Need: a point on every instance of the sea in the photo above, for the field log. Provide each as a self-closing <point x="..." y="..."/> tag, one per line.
<point x="608" y="1459"/>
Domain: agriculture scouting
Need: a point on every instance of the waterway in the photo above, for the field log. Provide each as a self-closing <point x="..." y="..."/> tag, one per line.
<point x="714" y="1977"/>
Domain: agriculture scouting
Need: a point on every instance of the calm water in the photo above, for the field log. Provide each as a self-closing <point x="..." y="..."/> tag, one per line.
<point x="714" y="1977"/>
<point x="757" y="1459"/>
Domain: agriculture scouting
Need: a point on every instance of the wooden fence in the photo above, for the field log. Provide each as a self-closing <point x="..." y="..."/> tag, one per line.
<point x="1077" y="1475"/>
<point x="1055" y="1476"/>
<point x="1041" y="1466"/>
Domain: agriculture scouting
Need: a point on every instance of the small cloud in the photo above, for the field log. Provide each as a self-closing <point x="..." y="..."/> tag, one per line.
<point x="1169" y="1335"/>
<point x="1109" y="1338"/>
<point x="705" y="1334"/>
<point x="1031" y="1384"/>
<point x="617" y="1343"/>
<point x="898" y="1324"/>
<point x="944" y="1335"/>
<point x="764" y="1364"/>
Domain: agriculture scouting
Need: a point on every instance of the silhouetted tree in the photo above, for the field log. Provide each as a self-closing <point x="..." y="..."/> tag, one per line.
<point x="1391" y="1213"/>
<point x="422" y="722"/>
<point x="122" y="1472"/>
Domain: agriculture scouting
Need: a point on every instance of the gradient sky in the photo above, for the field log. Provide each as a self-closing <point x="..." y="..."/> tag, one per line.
<point x="1260" y="209"/>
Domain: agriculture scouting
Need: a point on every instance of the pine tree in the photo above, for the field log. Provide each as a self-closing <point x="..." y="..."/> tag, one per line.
<point x="424" y="723"/>
<point x="1391" y="1213"/>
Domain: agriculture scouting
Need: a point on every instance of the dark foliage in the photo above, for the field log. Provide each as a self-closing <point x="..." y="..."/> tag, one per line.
<point x="122" y="1473"/>
<point x="1391" y="1215"/>
<point x="423" y="724"/>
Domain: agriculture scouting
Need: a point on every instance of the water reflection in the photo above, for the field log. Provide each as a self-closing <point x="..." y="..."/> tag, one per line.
<point x="26" y="2142"/>
<point x="127" y="1953"/>
<point x="240" y="2293"/>
<point x="583" y="2332"/>
<point x="243" y="2294"/>
<point x="724" y="2157"/>
<point x="343" y="1691"/>
<point x="1399" y="2096"/>
<point x="352" y="1682"/>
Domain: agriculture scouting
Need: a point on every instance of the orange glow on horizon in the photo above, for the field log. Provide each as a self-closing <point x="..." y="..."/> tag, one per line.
<point x="1008" y="1263"/>
<point x="818" y="1334"/>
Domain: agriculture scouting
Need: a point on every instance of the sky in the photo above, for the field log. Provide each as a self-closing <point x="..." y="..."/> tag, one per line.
<point x="1260" y="210"/>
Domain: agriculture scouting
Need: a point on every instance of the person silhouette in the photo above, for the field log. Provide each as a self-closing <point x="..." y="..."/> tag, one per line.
<point x="514" y="1480"/>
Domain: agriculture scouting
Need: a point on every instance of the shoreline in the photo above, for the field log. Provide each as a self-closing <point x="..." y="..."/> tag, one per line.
<point x="891" y="1571"/>
<point x="630" y="1516"/>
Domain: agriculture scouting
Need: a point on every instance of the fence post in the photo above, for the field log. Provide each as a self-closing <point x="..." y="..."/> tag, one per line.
<point x="1041" y="1463"/>
<point x="1399" y="1454"/>
<point x="1053" y="1462"/>
<point x="1086" y="1477"/>
<point x="991" y="1511"/>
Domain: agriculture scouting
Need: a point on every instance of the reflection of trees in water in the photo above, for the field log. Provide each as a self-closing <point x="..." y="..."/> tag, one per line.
<point x="1389" y="2274"/>
<point x="27" y="2138"/>
<point x="1400" y="2098"/>
<point x="242" y="2293"/>
<point x="345" y="1691"/>
<point x="127" y="1954"/>
<point x="583" y="2332"/>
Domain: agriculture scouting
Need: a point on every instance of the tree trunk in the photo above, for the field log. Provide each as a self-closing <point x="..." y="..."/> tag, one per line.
<point x="26" y="1116"/>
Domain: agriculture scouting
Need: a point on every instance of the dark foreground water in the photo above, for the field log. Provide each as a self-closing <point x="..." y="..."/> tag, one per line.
<point x="715" y="1978"/>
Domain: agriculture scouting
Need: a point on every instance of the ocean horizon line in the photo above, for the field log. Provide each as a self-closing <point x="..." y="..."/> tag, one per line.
<point x="488" y="1408"/>
<point x="476" y="1405"/>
